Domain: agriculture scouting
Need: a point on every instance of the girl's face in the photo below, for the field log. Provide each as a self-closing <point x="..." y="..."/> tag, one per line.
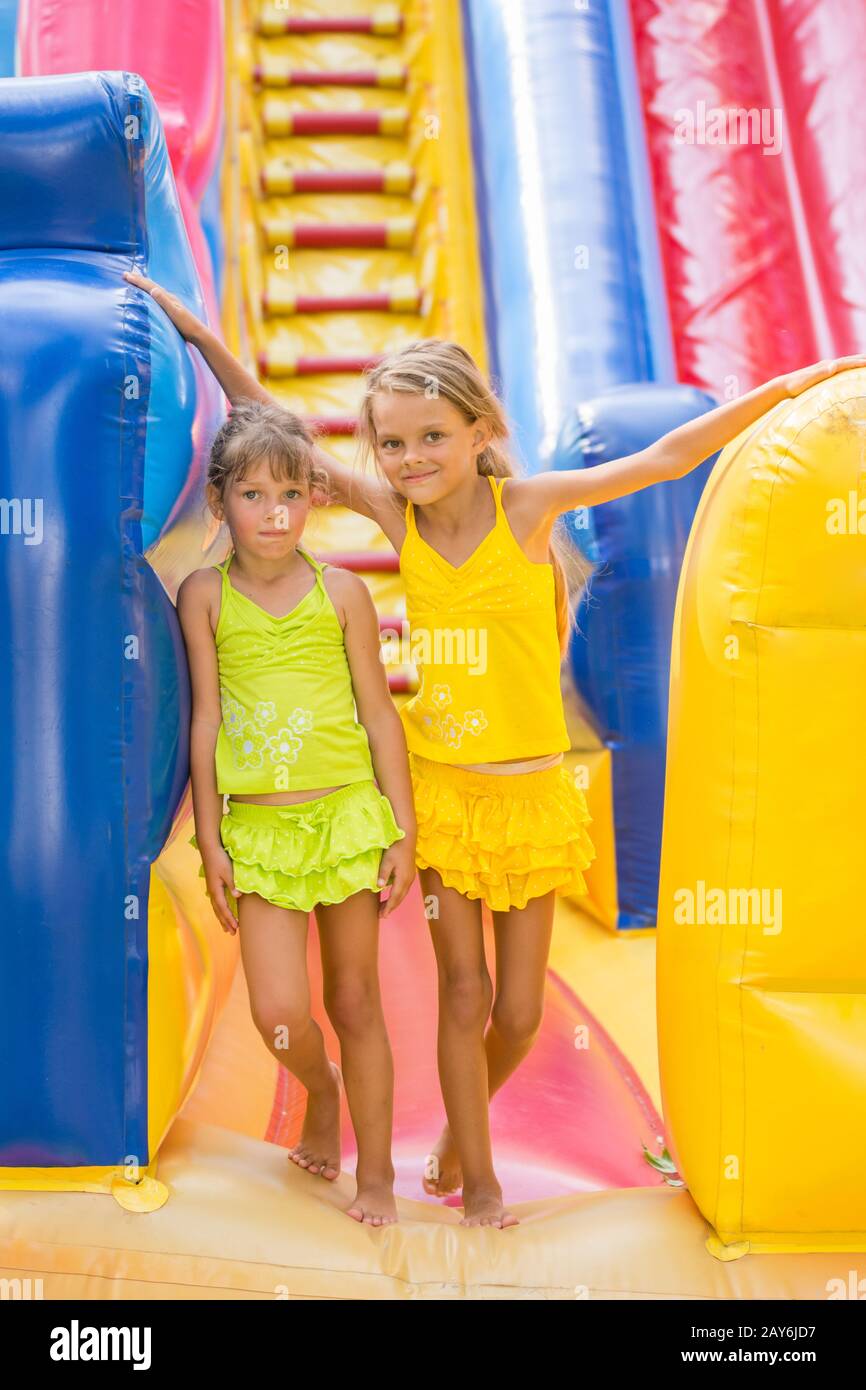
<point x="266" y="515"/>
<point x="424" y="446"/>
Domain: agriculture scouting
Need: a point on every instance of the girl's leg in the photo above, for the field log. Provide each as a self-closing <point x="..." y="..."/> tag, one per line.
<point x="465" y="994"/>
<point x="522" y="950"/>
<point x="274" y="955"/>
<point x="349" y="937"/>
<point x="522" y="938"/>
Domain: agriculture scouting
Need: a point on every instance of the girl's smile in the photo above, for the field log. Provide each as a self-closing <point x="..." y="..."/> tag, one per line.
<point x="411" y="479"/>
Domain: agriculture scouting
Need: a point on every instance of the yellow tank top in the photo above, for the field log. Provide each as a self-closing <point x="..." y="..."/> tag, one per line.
<point x="484" y="640"/>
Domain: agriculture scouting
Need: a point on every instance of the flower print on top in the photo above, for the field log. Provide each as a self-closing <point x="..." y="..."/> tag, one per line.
<point x="439" y="722"/>
<point x="289" y="720"/>
<point x="251" y="744"/>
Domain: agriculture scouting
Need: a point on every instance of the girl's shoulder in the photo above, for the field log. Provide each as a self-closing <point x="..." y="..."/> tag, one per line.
<point x="347" y="592"/>
<point x="200" y="584"/>
<point x="201" y="592"/>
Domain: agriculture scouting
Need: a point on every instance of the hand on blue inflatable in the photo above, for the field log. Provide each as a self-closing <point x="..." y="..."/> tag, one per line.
<point x="186" y="323"/>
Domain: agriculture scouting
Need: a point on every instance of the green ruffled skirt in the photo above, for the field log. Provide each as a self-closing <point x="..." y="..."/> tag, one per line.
<point x="319" y="851"/>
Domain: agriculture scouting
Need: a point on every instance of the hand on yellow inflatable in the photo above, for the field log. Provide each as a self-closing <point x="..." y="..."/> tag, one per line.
<point x="183" y="319"/>
<point x="796" y="382"/>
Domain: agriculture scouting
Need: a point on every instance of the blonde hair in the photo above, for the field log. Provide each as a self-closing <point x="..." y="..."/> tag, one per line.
<point x="436" y="367"/>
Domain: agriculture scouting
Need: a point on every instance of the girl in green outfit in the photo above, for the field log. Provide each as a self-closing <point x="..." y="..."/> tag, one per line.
<point x="281" y="649"/>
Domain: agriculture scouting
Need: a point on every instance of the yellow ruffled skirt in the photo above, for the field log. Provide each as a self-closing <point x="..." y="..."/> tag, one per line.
<point x="504" y="838"/>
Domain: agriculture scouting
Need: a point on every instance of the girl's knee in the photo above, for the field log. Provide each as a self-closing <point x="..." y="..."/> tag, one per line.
<point x="352" y="1005"/>
<point x="465" y="996"/>
<point x="517" y="1022"/>
<point x="280" y="1021"/>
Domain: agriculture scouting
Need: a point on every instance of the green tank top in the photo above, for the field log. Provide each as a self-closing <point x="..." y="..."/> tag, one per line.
<point x="289" y="721"/>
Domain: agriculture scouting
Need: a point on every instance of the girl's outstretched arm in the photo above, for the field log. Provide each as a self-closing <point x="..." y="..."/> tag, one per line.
<point x="672" y="456"/>
<point x="349" y="489"/>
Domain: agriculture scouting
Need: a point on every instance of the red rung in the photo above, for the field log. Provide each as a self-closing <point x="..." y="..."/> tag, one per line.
<point x="334" y="424"/>
<point x="346" y="234"/>
<point x="337" y="181"/>
<point x="311" y="366"/>
<point x="336" y="122"/>
<point x="303" y="77"/>
<point x="314" y="366"/>
<point x="273" y="183"/>
<point x="324" y="304"/>
<point x="366" y="561"/>
<point x="330" y="304"/>
<point x="401" y="684"/>
<point x="350" y="24"/>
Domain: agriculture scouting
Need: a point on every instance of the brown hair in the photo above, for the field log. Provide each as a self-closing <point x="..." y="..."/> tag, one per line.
<point x="437" y="367"/>
<point x="257" y="430"/>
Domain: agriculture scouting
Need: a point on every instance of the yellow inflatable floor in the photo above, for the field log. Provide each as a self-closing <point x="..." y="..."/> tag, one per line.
<point x="244" y="1222"/>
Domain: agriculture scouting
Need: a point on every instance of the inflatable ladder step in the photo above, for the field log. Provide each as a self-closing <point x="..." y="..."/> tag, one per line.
<point x="272" y="72"/>
<point x="331" y="424"/>
<point x="285" y="231"/>
<point x="280" y="300"/>
<point x="366" y="561"/>
<point x="382" y="19"/>
<point x="279" y="119"/>
<point x="400" y="683"/>
<point x="276" y="362"/>
<point x="278" y="177"/>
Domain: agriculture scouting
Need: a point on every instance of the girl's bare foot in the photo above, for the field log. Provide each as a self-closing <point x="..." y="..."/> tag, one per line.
<point x="374" y="1204"/>
<point x="318" y="1149"/>
<point x="442" y="1171"/>
<point x="483" y="1207"/>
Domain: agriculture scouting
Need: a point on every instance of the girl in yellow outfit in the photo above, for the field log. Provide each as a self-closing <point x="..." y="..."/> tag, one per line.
<point x="499" y="819"/>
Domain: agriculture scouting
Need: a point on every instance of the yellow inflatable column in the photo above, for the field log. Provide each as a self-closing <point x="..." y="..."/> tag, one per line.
<point x="762" y="895"/>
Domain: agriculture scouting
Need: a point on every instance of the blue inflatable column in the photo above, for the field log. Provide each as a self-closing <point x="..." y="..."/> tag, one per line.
<point x="621" y="654"/>
<point x="97" y="399"/>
